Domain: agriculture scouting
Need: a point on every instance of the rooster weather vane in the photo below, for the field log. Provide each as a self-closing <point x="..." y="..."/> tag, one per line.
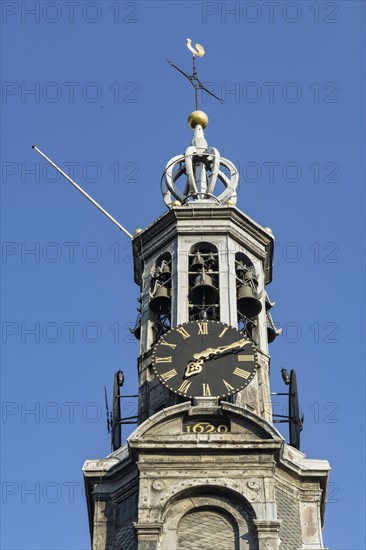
<point x="193" y="78"/>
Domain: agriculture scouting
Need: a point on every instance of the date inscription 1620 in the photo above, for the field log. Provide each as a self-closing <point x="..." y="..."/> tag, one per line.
<point x="205" y="427"/>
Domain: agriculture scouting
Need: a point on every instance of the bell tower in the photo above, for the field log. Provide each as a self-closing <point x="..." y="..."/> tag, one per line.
<point x="205" y="468"/>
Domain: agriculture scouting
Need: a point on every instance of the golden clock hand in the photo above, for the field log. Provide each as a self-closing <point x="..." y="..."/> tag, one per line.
<point x="214" y="351"/>
<point x="204" y="353"/>
<point x="193" y="367"/>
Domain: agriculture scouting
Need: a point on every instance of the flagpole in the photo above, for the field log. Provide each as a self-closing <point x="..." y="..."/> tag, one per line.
<point x="83" y="192"/>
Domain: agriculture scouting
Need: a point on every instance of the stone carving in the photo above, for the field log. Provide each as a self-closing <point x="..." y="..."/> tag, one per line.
<point x="158" y="485"/>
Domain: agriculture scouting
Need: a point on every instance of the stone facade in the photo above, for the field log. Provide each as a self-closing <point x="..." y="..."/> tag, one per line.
<point x="246" y="484"/>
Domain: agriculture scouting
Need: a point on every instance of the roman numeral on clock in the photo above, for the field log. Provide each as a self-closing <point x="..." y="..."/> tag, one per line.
<point x="241" y="372"/>
<point x="184" y="387"/>
<point x="183" y="332"/>
<point x="223" y="332"/>
<point x="169" y="374"/>
<point x="203" y="328"/>
<point x="173" y="346"/>
<point x="242" y="357"/>
<point x="206" y="391"/>
<point x="163" y="359"/>
<point x="228" y="386"/>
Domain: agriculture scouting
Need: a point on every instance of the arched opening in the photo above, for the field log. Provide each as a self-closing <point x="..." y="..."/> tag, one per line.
<point x="207" y="528"/>
<point x="208" y="518"/>
<point x="203" y="274"/>
<point x="248" y="297"/>
<point x="160" y="295"/>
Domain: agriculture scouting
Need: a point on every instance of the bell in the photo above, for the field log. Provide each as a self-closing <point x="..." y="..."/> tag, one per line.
<point x="269" y="304"/>
<point x="198" y="263"/>
<point x="203" y="291"/>
<point x="248" y="303"/>
<point x="203" y="315"/>
<point x="165" y="270"/>
<point x="272" y="331"/>
<point x="136" y="330"/>
<point x="211" y="260"/>
<point x="240" y="268"/>
<point x="160" y="302"/>
<point x="250" y="277"/>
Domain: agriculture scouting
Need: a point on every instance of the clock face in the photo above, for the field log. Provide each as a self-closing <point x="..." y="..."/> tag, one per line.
<point x="204" y="358"/>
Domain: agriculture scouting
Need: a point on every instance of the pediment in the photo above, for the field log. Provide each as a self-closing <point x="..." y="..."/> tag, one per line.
<point x="224" y="424"/>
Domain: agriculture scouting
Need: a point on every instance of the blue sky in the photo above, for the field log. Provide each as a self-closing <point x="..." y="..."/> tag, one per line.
<point x="106" y="104"/>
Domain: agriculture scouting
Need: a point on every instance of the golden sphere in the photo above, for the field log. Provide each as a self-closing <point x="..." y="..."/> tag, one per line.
<point x="268" y="229"/>
<point x="198" y="117"/>
<point x="176" y="203"/>
<point x="230" y="202"/>
<point x="137" y="231"/>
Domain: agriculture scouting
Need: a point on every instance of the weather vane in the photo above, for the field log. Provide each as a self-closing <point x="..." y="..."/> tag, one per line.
<point x="193" y="78"/>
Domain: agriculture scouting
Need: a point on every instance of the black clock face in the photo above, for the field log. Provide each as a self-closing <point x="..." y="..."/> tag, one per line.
<point x="204" y="358"/>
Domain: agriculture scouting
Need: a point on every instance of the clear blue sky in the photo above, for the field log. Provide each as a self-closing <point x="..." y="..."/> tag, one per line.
<point x="104" y="97"/>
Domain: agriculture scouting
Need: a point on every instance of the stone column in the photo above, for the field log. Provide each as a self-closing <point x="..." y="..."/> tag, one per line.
<point x="268" y="534"/>
<point x="148" y="535"/>
<point x="104" y="522"/>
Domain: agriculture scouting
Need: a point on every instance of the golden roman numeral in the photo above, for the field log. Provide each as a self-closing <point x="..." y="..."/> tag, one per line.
<point x="183" y="332"/>
<point x="223" y="332"/>
<point x="241" y="372"/>
<point x="228" y="386"/>
<point x="163" y="343"/>
<point x="243" y="357"/>
<point x="169" y="374"/>
<point x="163" y="359"/>
<point x="185" y="387"/>
<point x="203" y="328"/>
<point x="206" y="391"/>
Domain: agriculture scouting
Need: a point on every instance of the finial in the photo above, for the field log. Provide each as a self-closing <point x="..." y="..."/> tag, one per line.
<point x="198" y="117"/>
<point x="199" y="51"/>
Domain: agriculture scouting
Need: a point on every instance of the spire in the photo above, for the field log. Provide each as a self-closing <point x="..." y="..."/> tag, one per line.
<point x="201" y="166"/>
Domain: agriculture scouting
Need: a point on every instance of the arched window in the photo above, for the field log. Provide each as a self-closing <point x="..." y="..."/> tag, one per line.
<point x="248" y="298"/>
<point x="208" y="529"/>
<point x="203" y="273"/>
<point x="160" y="295"/>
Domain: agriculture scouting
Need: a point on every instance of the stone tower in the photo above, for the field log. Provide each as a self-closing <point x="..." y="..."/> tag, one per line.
<point x="205" y="469"/>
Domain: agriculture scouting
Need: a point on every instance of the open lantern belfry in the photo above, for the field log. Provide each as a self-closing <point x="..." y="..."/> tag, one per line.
<point x="205" y="467"/>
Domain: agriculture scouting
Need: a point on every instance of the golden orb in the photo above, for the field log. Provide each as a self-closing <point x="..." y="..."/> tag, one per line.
<point x="268" y="229"/>
<point x="176" y="203"/>
<point x="137" y="231"/>
<point x="230" y="202"/>
<point x="198" y="117"/>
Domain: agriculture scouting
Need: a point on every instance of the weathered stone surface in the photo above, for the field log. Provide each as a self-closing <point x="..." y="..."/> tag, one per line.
<point x="271" y="493"/>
